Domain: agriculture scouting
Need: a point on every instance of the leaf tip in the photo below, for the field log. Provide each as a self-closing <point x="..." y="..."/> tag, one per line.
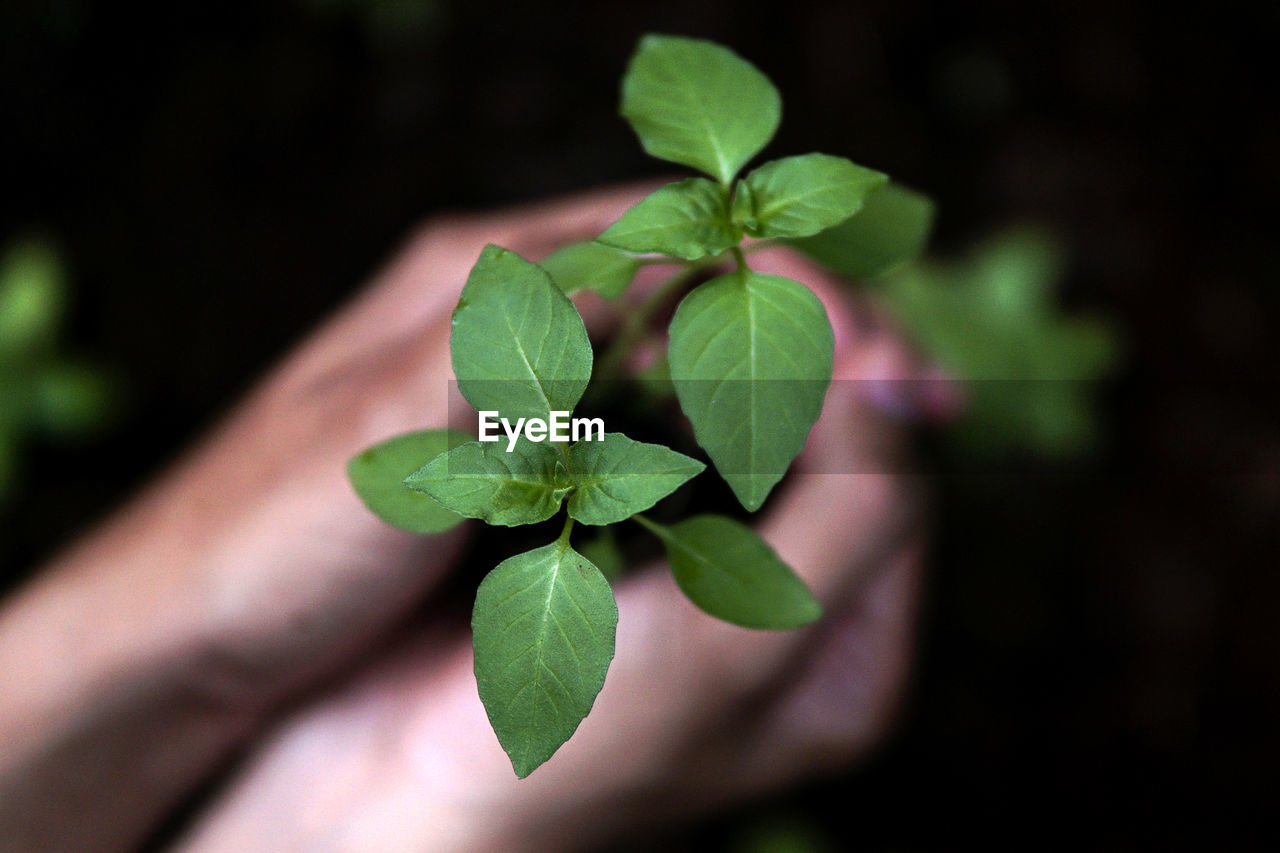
<point x="811" y="611"/>
<point x="751" y="501"/>
<point x="650" y="39"/>
<point x="523" y="768"/>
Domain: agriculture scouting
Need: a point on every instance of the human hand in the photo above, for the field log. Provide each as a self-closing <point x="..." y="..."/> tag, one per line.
<point x="694" y="711"/>
<point x="251" y="572"/>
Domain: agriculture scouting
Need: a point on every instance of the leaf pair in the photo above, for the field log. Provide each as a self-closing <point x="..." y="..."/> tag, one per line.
<point x="606" y="481"/>
<point x="750" y="354"/>
<point x="701" y="105"/>
<point x="544" y="622"/>
<point x="520" y="348"/>
<point x="792" y="197"/>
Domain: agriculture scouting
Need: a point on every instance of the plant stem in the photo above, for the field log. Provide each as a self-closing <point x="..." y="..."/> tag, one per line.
<point x="636" y="324"/>
<point x="760" y="245"/>
<point x="563" y="539"/>
<point x="743" y="269"/>
<point x="653" y="527"/>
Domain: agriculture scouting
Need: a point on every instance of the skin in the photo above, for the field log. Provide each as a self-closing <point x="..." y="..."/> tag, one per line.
<point x="246" y="606"/>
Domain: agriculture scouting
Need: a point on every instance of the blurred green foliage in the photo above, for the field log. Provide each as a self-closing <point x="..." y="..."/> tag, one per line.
<point x="42" y="392"/>
<point x="1030" y="369"/>
<point x="992" y="319"/>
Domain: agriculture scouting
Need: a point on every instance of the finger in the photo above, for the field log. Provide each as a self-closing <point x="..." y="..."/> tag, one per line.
<point x="393" y="340"/>
<point x="427" y="274"/>
<point x="854" y="477"/>
<point x="829" y="707"/>
<point x="849" y="683"/>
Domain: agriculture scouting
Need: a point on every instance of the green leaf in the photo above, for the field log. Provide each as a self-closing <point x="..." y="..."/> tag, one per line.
<point x="519" y="346"/>
<point x="33" y="295"/>
<point x="618" y="477"/>
<point x="603" y="551"/>
<point x="543" y="628"/>
<point x="699" y="104"/>
<point x="751" y="359"/>
<point x="892" y="228"/>
<point x="377" y="475"/>
<point x="688" y="219"/>
<point x="733" y="574"/>
<point x="800" y="196"/>
<point x="483" y="480"/>
<point x="591" y="266"/>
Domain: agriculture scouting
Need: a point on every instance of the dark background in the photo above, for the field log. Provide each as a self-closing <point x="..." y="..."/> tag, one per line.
<point x="1100" y="647"/>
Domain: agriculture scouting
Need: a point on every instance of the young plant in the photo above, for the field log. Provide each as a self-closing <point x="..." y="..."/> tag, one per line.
<point x="749" y="356"/>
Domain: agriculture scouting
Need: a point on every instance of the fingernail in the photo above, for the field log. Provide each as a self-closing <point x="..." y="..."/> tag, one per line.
<point x="891" y="397"/>
<point x="932" y="394"/>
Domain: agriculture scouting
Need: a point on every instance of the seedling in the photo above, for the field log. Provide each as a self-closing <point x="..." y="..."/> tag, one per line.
<point x="749" y="356"/>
